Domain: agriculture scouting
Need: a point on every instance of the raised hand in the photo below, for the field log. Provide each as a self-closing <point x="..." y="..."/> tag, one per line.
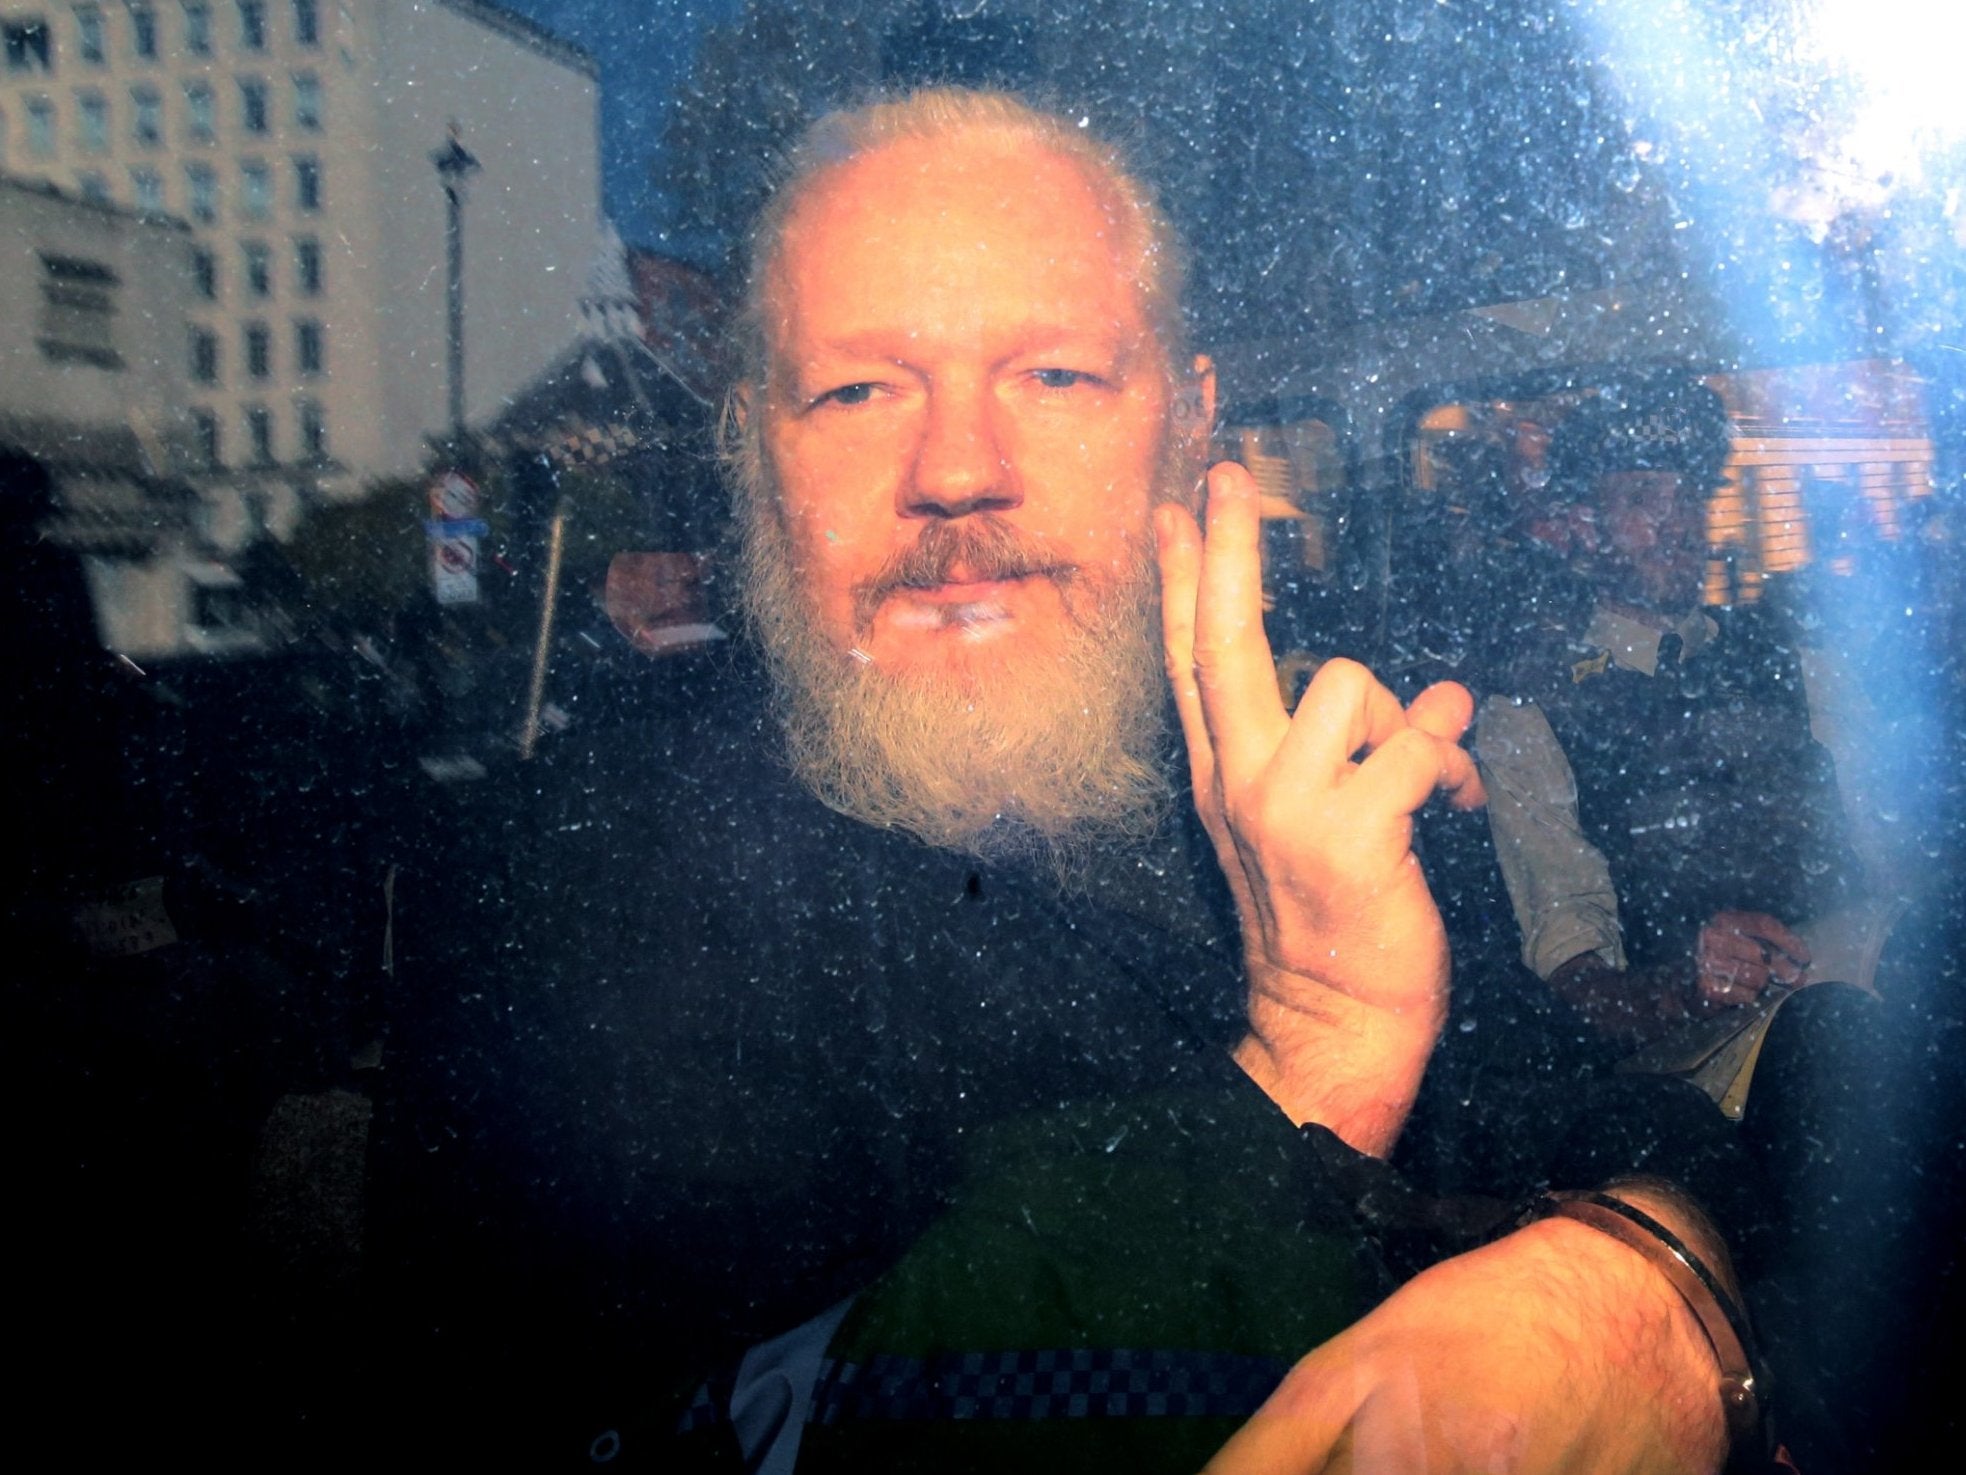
<point x="1312" y="821"/>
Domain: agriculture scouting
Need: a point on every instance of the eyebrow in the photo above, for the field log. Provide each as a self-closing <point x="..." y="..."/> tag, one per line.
<point x="878" y="343"/>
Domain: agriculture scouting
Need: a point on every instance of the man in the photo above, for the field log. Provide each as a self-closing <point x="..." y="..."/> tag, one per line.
<point x="1662" y="816"/>
<point x="1664" y="822"/>
<point x="732" y="1046"/>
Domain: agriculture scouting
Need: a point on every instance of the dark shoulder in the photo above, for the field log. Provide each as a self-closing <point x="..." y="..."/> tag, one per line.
<point x="644" y="775"/>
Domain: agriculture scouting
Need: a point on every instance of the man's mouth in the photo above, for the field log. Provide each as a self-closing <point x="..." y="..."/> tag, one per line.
<point x="970" y="604"/>
<point x="963" y="589"/>
<point x="970" y="577"/>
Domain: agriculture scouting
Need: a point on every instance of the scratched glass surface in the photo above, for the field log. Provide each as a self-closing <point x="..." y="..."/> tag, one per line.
<point x="359" y="396"/>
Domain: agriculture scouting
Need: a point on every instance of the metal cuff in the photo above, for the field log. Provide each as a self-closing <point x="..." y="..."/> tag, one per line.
<point x="1721" y="1318"/>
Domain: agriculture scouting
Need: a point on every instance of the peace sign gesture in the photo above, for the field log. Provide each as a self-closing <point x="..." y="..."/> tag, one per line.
<point x="1312" y="820"/>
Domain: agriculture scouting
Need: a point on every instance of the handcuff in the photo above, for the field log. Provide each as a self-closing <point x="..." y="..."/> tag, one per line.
<point x="1743" y="1388"/>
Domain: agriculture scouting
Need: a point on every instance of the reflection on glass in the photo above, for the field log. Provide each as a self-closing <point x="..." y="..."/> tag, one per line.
<point x="310" y="637"/>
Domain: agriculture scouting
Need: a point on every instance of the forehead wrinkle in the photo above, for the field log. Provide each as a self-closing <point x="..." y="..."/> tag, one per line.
<point x="945" y="179"/>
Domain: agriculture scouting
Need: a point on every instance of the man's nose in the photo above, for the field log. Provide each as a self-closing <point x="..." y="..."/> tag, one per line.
<point x="960" y="467"/>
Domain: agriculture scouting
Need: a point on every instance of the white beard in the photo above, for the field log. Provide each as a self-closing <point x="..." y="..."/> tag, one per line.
<point x="1049" y="758"/>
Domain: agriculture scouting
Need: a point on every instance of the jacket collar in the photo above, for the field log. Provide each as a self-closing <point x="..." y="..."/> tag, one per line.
<point x="1633" y="644"/>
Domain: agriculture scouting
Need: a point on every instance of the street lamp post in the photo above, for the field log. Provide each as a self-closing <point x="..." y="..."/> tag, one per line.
<point x="454" y="539"/>
<point x="455" y="165"/>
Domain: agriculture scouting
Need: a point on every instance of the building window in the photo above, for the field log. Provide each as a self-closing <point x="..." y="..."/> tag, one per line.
<point x="89" y="35"/>
<point x="307" y="101"/>
<point x="78" y="311"/>
<point x="252" y="105"/>
<point x="255" y="190"/>
<point x="197" y="27"/>
<point x="204" y="273"/>
<point x="310" y="347"/>
<point x="307" y="266"/>
<point x="307" y="22"/>
<point x="143" y="31"/>
<point x="92" y="121"/>
<point x="307" y="182"/>
<point x="259" y="351"/>
<point x="201" y="189"/>
<point x="210" y="447"/>
<point x="259" y="434"/>
<point x="198" y="112"/>
<point x="94" y="187"/>
<point x="313" y="431"/>
<point x="147" y="185"/>
<point x="252" y="25"/>
<point x="204" y="356"/>
<point x="259" y="269"/>
<point x="41" y="128"/>
<point x="26" y="45"/>
<point x="146" y="117"/>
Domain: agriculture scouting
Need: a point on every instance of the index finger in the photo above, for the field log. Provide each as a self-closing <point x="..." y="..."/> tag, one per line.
<point x="1233" y="667"/>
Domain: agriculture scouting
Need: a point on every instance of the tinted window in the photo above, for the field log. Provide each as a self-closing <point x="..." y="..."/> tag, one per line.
<point x="377" y="356"/>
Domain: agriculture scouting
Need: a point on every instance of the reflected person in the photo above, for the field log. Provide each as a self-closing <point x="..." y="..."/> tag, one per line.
<point x="1663" y="818"/>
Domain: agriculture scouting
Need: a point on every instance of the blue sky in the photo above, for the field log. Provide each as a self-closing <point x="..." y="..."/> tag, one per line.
<point x="644" y="47"/>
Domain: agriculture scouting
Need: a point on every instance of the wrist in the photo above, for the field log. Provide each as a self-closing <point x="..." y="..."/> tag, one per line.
<point x="1628" y="1359"/>
<point x="1325" y="1057"/>
<point x="1615" y="1308"/>
<point x="1681" y="1250"/>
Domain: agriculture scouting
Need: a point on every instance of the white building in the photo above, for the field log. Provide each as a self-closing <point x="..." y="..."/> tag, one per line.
<point x="94" y="303"/>
<point x="297" y="138"/>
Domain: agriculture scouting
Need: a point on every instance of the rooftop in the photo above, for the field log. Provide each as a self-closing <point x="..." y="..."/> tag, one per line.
<point x="527" y="32"/>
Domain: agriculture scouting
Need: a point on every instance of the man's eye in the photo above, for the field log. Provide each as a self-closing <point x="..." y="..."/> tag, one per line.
<point x="847" y="394"/>
<point x="1062" y="378"/>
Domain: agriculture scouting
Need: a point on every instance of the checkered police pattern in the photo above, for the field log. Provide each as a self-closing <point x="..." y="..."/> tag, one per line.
<point x="582" y="444"/>
<point x="1068" y="1384"/>
<point x="1078" y="1383"/>
<point x="1663" y="433"/>
<point x="1658" y="428"/>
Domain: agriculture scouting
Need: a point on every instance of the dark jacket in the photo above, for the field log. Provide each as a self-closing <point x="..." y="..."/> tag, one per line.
<point x="692" y="1058"/>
